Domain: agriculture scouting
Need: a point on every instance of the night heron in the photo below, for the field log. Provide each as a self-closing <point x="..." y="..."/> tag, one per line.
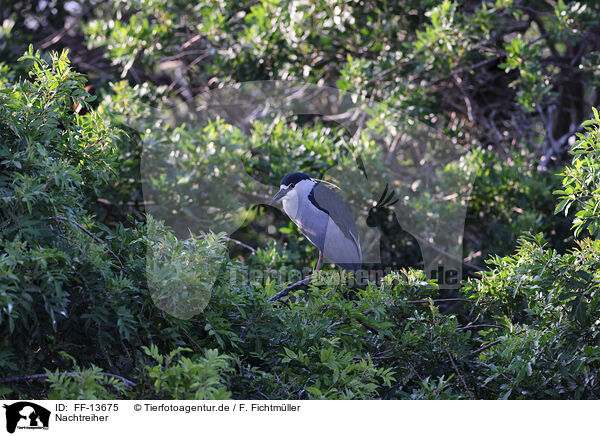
<point x="323" y="218"/>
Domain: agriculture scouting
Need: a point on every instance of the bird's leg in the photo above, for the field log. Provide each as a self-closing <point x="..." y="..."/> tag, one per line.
<point x="319" y="261"/>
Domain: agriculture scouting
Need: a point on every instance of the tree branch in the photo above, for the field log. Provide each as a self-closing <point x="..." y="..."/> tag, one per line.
<point x="290" y="288"/>
<point x="476" y="326"/>
<point x="491" y="344"/>
<point x="90" y="234"/>
<point x="459" y="375"/>
<point x="439" y="300"/>
<point x="235" y="241"/>
<point x="44" y="376"/>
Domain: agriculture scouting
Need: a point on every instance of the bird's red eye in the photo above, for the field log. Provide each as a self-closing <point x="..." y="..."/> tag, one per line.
<point x="292" y="186"/>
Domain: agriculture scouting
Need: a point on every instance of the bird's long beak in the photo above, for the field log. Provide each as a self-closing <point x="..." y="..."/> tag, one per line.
<point x="279" y="195"/>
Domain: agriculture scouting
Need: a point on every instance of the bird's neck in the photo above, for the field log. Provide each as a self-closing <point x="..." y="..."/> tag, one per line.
<point x="290" y="205"/>
<point x="295" y="200"/>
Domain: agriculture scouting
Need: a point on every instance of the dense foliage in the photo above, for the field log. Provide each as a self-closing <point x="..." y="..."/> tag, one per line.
<point x="85" y="313"/>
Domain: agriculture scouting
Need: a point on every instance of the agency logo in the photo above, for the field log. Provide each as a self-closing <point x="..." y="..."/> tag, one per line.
<point x="26" y="415"/>
<point x="209" y="165"/>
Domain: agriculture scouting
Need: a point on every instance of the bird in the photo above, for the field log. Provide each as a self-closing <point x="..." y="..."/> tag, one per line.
<point x="323" y="217"/>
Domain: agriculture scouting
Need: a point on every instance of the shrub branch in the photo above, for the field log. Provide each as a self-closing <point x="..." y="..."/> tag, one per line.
<point x="44" y="376"/>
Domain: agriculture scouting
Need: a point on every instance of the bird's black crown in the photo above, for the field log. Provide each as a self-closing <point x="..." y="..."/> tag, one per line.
<point x="293" y="178"/>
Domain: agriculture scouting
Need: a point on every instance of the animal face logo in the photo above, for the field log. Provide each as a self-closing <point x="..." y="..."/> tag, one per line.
<point x="396" y="175"/>
<point x="26" y="415"/>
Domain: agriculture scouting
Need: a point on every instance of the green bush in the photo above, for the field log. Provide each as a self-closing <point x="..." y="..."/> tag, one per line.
<point x="83" y="384"/>
<point x="189" y="379"/>
<point x="581" y="181"/>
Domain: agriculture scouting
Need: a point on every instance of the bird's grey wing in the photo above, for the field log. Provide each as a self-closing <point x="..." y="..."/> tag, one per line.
<point x="327" y="200"/>
<point x="313" y="224"/>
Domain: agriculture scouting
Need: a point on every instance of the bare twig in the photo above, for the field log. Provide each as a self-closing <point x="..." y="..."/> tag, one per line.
<point x="415" y="371"/>
<point x="235" y="241"/>
<point x="485" y="347"/>
<point x="476" y="65"/>
<point x="240" y="243"/>
<point x="486" y="366"/>
<point x="372" y="329"/>
<point x="186" y="334"/>
<point x="438" y="300"/>
<point x="290" y="288"/>
<point x="459" y="375"/>
<point x="124" y="347"/>
<point x="491" y="344"/>
<point x="475" y="326"/>
<point x="466" y="97"/>
<point x="551" y="146"/>
<point x="262" y="395"/>
<point x="58" y="35"/>
<point x="368" y="326"/>
<point x="90" y="234"/>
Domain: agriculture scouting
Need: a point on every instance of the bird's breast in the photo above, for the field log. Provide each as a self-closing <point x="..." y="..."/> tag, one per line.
<point x="290" y="207"/>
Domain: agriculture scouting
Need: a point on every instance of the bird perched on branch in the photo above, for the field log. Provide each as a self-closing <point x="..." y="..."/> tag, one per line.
<point x="323" y="218"/>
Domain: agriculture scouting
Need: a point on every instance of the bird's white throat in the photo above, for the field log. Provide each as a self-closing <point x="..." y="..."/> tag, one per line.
<point x="291" y="199"/>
